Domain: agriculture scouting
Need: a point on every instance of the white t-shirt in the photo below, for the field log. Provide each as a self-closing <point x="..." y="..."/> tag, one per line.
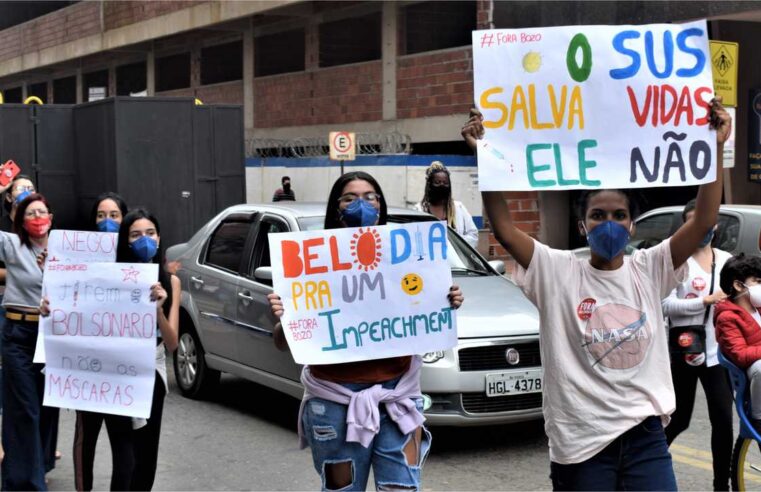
<point x="684" y="306"/>
<point x="603" y="345"/>
<point x="464" y="224"/>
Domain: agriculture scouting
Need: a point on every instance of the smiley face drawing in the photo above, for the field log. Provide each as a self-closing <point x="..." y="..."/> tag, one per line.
<point x="412" y="284"/>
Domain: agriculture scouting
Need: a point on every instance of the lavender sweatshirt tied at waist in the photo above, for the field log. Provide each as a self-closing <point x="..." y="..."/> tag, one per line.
<point x="363" y="413"/>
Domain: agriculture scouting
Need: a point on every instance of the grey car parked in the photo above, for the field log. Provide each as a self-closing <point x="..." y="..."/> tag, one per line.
<point x="738" y="229"/>
<point x="494" y="374"/>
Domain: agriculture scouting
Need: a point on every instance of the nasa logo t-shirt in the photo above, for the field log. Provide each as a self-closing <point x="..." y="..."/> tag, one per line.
<point x="603" y="343"/>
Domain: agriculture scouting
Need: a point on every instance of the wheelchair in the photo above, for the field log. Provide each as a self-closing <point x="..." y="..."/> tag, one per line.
<point x="746" y="458"/>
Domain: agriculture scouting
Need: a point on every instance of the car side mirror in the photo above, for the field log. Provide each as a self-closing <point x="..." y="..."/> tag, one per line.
<point x="498" y="265"/>
<point x="263" y="273"/>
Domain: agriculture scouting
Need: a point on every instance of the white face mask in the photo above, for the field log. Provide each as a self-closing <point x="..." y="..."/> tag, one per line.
<point x="754" y="295"/>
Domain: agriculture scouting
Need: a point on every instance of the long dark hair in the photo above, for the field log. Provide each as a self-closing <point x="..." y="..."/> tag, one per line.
<point x="124" y="253"/>
<point x="109" y="195"/>
<point x="333" y="214"/>
<point x="18" y="223"/>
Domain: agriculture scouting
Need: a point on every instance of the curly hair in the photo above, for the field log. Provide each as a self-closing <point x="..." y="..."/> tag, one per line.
<point x="435" y="168"/>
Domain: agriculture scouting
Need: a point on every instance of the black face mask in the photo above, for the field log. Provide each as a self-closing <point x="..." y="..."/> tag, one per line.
<point x="287" y="187"/>
<point x="440" y="193"/>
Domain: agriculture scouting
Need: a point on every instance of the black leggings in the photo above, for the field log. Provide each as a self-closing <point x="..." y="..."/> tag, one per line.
<point x="134" y="453"/>
<point x="719" y="398"/>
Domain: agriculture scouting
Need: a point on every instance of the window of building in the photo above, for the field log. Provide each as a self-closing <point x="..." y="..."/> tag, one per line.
<point x="222" y="63"/>
<point x="65" y="90"/>
<point x="39" y="89"/>
<point x="173" y="72"/>
<point x="279" y="53"/>
<point x="352" y="40"/>
<point x="131" y="79"/>
<point x="226" y="245"/>
<point x="95" y="85"/>
<point x="13" y="95"/>
<point x="432" y="26"/>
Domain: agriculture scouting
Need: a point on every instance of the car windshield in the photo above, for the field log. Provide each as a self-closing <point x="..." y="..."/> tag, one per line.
<point x="464" y="261"/>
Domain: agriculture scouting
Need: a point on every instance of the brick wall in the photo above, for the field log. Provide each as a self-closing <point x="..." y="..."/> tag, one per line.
<point x="434" y="84"/>
<point x="224" y="93"/>
<point x="74" y="22"/>
<point x="524" y="208"/>
<point x="122" y="13"/>
<point x="343" y="94"/>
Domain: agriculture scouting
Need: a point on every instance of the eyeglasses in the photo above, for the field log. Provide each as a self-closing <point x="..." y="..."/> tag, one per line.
<point x="22" y="188"/>
<point x="370" y="196"/>
<point x="36" y="213"/>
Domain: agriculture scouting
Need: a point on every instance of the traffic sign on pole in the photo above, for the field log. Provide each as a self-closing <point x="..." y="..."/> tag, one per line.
<point x="342" y="146"/>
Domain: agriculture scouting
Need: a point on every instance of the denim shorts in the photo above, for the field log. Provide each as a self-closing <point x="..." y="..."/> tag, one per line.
<point x="324" y="424"/>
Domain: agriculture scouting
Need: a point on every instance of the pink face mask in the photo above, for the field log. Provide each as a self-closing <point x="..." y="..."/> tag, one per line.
<point x="37" y="227"/>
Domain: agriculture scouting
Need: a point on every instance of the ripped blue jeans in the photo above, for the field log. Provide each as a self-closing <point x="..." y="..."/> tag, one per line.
<point x="324" y="424"/>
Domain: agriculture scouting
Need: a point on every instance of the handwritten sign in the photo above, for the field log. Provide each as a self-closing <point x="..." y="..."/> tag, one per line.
<point x="594" y="107"/>
<point x="73" y="248"/>
<point x="364" y="293"/>
<point x="100" y="338"/>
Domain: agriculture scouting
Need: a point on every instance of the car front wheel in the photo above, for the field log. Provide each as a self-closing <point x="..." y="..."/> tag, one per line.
<point x="193" y="376"/>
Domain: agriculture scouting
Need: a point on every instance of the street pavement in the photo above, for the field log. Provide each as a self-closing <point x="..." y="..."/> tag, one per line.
<point x="244" y="438"/>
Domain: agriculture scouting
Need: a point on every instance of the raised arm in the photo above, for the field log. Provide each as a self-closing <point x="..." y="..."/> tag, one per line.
<point x="519" y="244"/>
<point x="686" y="240"/>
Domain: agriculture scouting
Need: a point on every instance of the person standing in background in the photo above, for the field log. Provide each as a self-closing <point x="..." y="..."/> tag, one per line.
<point x="286" y="193"/>
<point x="438" y="201"/>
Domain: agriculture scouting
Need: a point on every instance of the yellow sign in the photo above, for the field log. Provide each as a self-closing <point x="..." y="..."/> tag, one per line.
<point x="342" y="146"/>
<point x="724" y="59"/>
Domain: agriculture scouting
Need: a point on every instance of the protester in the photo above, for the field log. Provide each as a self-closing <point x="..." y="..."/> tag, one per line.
<point x="438" y="201"/>
<point x="27" y="427"/>
<point x="604" y="352"/>
<point x="738" y="323"/>
<point x="285" y="193"/>
<point x="691" y="305"/>
<point x="140" y="242"/>
<point x="400" y="444"/>
<point x="20" y="187"/>
<point x="106" y="216"/>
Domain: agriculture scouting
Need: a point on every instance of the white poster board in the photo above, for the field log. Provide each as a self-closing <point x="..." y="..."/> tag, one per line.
<point x="594" y="107"/>
<point x="100" y="338"/>
<point x="66" y="247"/>
<point x="364" y="293"/>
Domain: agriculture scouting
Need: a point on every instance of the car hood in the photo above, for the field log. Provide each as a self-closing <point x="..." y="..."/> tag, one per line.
<point x="494" y="307"/>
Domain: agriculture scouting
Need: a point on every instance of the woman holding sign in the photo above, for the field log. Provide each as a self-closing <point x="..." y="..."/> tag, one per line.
<point x="139" y="242"/>
<point x="607" y="391"/>
<point x="106" y="216"/>
<point x="27" y="425"/>
<point x="398" y="446"/>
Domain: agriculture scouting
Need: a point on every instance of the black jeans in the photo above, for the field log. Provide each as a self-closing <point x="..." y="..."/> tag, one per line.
<point x="719" y="398"/>
<point x="134" y="453"/>
<point x="86" y="438"/>
<point x="29" y="430"/>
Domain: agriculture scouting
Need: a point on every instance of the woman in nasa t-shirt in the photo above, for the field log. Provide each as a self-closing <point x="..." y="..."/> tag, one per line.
<point x="686" y="306"/>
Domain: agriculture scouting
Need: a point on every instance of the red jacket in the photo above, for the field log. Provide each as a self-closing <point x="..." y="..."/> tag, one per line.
<point x="738" y="334"/>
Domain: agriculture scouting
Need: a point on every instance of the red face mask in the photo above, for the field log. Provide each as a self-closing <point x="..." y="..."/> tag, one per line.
<point x="37" y="227"/>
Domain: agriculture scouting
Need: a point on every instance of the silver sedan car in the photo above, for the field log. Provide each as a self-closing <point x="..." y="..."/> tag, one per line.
<point x="493" y="375"/>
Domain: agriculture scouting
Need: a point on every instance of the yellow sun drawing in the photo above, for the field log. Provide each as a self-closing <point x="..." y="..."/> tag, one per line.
<point x="366" y="249"/>
<point x="532" y="61"/>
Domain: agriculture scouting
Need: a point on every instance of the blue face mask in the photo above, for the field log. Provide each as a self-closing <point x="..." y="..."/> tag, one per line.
<point x="145" y="248"/>
<point x="608" y="239"/>
<point x="108" y="225"/>
<point x="707" y="240"/>
<point x="22" y="195"/>
<point x="360" y="213"/>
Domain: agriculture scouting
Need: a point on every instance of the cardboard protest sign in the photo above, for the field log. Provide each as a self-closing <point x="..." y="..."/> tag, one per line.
<point x="74" y="247"/>
<point x="364" y="293"/>
<point x="100" y="337"/>
<point x="594" y="107"/>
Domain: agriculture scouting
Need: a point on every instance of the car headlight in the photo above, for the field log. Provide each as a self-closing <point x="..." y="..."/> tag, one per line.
<point x="432" y="357"/>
